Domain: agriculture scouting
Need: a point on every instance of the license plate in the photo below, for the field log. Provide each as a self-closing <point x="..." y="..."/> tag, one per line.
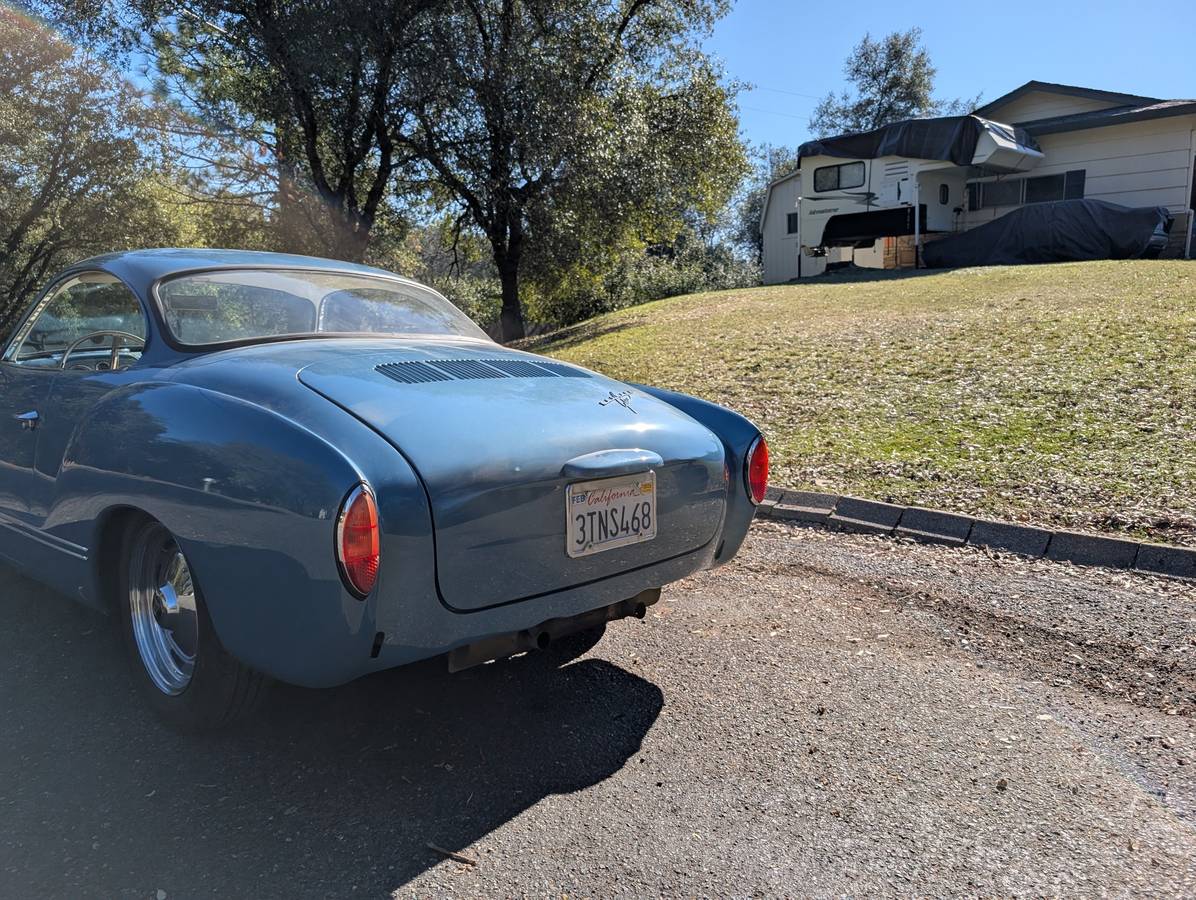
<point x="609" y="513"/>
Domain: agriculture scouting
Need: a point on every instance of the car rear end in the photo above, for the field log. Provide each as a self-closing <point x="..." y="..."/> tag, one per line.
<point x="554" y="498"/>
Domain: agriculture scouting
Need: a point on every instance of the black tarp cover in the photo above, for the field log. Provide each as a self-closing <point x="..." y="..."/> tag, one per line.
<point x="950" y="138"/>
<point x="1052" y="232"/>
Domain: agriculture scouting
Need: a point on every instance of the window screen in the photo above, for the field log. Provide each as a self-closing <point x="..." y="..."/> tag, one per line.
<point x="1074" y="184"/>
<point x="1044" y="188"/>
<point x="1007" y="192"/>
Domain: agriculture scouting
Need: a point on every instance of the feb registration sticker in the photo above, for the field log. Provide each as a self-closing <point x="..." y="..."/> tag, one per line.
<point x="609" y="513"/>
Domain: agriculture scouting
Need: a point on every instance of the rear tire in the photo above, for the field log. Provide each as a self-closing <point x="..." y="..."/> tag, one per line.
<point x="177" y="660"/>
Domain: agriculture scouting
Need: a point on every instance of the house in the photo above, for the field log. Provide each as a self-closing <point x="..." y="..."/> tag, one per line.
<point x="779" y="225"/>
<point x="1124" y="148"/>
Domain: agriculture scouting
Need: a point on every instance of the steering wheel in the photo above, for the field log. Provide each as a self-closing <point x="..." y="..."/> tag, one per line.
<point x="119" y="339"/>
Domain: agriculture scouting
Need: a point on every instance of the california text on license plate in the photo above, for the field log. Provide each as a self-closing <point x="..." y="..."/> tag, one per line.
<point x="610" y="512"/>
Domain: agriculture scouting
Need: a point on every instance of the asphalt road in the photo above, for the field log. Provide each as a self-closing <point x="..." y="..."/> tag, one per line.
<point x="827" y="715"/>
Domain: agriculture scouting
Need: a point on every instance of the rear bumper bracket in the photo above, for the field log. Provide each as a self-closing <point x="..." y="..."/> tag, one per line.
<point x="542" y="635"/>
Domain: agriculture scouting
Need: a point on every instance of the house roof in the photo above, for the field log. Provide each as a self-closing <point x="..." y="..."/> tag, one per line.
<point x="768" y="193"/>
<point x="1069" y="90"/>
<point x="1127" y="108"/>
<point x="1118" y="115"/>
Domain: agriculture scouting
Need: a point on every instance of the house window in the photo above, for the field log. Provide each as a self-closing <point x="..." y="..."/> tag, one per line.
<point x="1044" y="188"/>
<point x="792" y="223"/>
<point x="1073" y="184"/>
<point x="838" y="178"/>
<point x="1006" y="192"/>
<point x="1035" y="189"/>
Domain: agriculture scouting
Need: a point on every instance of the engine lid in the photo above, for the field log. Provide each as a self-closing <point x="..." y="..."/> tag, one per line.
<point x="490" y="432"/>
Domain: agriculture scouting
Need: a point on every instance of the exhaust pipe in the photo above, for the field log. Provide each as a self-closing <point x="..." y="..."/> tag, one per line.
<point x="540" y="637"/>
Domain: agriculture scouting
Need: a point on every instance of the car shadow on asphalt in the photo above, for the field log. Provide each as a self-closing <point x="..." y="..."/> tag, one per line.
<point x="325" y="793"/>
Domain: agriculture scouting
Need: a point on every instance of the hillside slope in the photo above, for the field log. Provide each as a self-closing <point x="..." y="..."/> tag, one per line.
<point x="1063" y="395"/>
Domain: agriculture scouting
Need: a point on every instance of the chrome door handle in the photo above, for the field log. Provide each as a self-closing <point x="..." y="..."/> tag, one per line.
<point x="29" y="420"/>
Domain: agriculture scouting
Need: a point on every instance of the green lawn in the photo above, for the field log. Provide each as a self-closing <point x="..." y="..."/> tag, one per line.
<point x="1062" y="395"/>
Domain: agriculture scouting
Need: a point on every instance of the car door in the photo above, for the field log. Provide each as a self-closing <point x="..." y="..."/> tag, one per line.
<point x="76" y="346"/>
<point x="24" y="387"/>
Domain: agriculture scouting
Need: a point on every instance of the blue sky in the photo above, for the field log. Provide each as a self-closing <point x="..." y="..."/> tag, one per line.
<point x="799" y="48"/>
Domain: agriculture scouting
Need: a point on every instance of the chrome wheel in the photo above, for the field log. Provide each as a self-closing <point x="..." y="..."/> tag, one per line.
<point x="162" y="607"/>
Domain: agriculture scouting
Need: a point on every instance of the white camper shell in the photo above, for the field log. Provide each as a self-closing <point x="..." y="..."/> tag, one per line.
<point x="857" y="188"/>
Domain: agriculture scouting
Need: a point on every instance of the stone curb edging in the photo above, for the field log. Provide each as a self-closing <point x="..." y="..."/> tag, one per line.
<point x="854" y="514"/>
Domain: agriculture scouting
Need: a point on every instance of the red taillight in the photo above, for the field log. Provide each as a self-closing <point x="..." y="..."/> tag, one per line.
<point x="756" y="470"/>
<point x="357" y="542"/>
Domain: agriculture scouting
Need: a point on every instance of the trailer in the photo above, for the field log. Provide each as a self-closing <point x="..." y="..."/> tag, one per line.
<point x="905" y="179"/>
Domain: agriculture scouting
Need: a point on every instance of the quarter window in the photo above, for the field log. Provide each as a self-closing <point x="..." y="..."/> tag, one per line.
<point x="91" y="304"/>
<point x="840" y="177"/>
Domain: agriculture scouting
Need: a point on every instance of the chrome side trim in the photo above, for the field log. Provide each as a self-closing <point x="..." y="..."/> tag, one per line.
<point x="44" y="538"/>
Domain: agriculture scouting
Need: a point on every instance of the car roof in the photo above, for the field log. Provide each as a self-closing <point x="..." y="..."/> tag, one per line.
<point x="141" y="268"/>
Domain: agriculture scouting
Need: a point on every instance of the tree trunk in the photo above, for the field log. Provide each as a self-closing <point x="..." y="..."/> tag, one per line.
<point x="512" y="311"/>
<point x="351" y="239"/>
<point x="508" y="254"/>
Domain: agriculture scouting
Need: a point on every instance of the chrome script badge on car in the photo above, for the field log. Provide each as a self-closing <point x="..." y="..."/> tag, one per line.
<point x="623" y="398"/>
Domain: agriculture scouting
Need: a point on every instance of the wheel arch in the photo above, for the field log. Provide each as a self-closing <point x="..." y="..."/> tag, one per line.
<point x="250" y="495"/>
<point x="110" y="529"/>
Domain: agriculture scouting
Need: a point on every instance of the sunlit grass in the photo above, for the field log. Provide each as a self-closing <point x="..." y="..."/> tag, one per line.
<point x="1061" y="394"/>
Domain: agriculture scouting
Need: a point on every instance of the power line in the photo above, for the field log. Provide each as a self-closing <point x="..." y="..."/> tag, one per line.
<point x="759" y="87"/>
<point x="773" y="112"/>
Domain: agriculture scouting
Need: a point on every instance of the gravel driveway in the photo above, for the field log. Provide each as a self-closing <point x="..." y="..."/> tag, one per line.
<point x="829" y="714"/>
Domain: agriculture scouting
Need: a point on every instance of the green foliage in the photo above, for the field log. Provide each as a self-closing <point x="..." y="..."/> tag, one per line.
<point x="559" y="127"/>
<point x="892" y="80"/>
<point x="81" y="163"/>
<point x="637" y="275"/>
<point x="294" y="107"/>
<point x="557" y="133"/>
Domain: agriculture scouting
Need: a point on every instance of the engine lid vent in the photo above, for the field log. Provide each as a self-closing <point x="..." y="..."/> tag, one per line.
<point x="467" y="369"/>
<point x="563" y="370"/>
<point x="412" y="372"/>
<point x="422" y="372"/>
<point x="520" y="368"/>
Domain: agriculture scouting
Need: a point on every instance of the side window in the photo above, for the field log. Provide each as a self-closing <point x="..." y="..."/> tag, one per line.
<point x="851" y="175"/>
<point x="1073" y="184"/>
<point x="826" y="178"/>
<point x="87" y="313"/>
<point x="1044" y="188"/>
<point x="841" y="177"/>
<point x="792" y="223"/>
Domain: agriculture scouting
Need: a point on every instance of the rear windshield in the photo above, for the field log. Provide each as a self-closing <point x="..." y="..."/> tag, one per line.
<point x="251" y="304"/>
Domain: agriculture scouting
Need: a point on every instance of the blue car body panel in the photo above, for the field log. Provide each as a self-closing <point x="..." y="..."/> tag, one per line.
<point x="247" y="453"/>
